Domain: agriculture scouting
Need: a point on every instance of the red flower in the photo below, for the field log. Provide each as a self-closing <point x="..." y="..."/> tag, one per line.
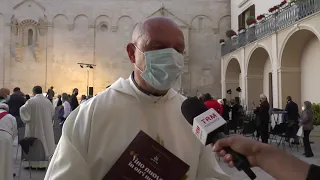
<point x="271" y="9"/>
<point x="252" y="22"/>
<point x="284" y="2"/>
<point x="261" y="16"/>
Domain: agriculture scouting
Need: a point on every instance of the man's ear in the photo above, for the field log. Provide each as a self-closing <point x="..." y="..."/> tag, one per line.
<point x="131" y="52"/>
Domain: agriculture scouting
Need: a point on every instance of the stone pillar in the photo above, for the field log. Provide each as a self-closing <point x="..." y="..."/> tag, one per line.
<point x="49" y="57"/>
<point x="2" y="67"/>
<point x="91" y="30"/>
<point x="275" y="74"/>
<point x="7" y="55"/>
<point x="223" y="79"/>
<point x="275" y="88"/>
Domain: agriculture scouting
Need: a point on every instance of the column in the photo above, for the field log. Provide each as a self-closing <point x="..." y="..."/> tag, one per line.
<point x="2" y="67"/>
<point x="223" y="80"/>
<point x="6" y="55"/>
<point x="49" y="57"/>
<point x="275" y="74"/>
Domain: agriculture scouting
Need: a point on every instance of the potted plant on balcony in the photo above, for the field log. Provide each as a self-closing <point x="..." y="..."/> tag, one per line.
<point x="261" y="17"/>
<point x="284" y="3"/>
<point x="251" y="21"/>
<point x="222" y="42"/>
<point x="231" y="34"/>
<point x="292" y="2"/>
<point x="274" y="9"/>
<point x="241" y="30"/>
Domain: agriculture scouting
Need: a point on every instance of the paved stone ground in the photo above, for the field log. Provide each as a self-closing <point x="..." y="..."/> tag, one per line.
<point x="234" y="174"/>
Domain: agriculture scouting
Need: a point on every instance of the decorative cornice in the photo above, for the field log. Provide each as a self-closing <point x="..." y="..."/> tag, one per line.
<point x="231" y="81"/>
<point x="290" y="69"/>
<point x="163" y="10"/>
<point x="254" y="77"/>
<point x="18" y="5"/>
<point x="243" y="2"/>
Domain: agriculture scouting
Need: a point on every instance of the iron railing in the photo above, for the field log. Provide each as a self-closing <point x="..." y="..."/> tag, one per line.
<point x="279" y="20"/>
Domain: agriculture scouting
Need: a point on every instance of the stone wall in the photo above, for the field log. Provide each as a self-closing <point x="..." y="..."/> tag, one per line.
<point x="67" y="32"/>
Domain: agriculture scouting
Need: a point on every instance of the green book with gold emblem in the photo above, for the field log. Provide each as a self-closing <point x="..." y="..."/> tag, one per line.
<point x="146" y="159"/>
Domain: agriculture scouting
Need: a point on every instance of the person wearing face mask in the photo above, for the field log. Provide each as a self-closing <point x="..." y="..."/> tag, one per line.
<point x="306" y="121"/>
<point x="8" y="131"/>
<point x="96" y="134"/>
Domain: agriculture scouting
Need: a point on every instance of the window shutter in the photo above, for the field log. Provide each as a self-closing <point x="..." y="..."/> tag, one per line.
<point x="252" y="10"/>
<point x="240" y="21"/>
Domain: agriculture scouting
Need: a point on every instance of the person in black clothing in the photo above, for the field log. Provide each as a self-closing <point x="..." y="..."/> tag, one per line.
<point x="16" y="101"/>
<point x="50" y="94"/>
<point x="236" y="114"/>
<point x="59" y="101"/>
<point x="225" y="115"/>
<point x="263" y="115"/>
<point x="292" y="119"/>
<point x="73" y="100"/>
<point x="27" y="97"/>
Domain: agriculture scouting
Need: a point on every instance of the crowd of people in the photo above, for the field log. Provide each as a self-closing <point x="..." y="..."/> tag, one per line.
<point x="35" y="116"/>
<point x="98" y="132"/>
<point x="235" y="115"/>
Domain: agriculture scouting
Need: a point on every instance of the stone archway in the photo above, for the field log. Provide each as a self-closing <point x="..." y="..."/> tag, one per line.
<point x="233" y="78"/>
<point x="300" y="67"/>
<point x="259" y="76"/>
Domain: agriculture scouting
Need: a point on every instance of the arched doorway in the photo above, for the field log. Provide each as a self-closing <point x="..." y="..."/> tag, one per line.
<point x="300" y="68"/>
<point x="233" y="78"/>
<point x="259" y="77"/>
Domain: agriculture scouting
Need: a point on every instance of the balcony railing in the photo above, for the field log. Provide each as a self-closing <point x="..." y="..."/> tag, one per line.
<point x="279" y="20"/>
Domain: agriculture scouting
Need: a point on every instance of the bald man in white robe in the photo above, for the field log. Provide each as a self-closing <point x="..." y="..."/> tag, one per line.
<point x="97" y="133"/>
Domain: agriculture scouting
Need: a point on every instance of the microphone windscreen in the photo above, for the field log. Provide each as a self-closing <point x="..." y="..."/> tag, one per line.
<point x="191" y="108"/>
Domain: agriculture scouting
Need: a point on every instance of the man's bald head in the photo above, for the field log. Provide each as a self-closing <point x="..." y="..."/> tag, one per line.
<point x="4" y="92"/>
<point x="153" y="34"/>
<point x="149" y="24"/>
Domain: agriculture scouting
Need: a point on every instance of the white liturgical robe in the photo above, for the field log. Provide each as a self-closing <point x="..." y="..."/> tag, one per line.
<point x="97" y="133"/>
<point x="8" y="131"/>
<point x="37" y="113"/>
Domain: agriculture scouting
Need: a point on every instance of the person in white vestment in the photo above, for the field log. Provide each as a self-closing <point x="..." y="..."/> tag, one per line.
<point x="97" y="133"/>
<point x="8" y="131"/>
<point x="37" y="113"/>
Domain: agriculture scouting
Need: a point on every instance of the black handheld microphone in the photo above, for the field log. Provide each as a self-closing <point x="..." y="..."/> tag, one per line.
<point x="205" y="124"/>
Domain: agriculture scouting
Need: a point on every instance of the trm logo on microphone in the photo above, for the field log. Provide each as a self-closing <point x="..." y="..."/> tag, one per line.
<point x="206" y="123"/>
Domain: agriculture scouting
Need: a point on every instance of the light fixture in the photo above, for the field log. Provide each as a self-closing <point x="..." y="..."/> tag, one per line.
<point x="238" y="89"/>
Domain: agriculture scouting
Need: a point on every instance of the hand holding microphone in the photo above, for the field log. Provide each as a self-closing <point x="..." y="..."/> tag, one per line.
<point x="248" y="147"/>
<point x="205" y="126"/>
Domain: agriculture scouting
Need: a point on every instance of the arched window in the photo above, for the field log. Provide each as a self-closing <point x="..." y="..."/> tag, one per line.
<point x="30" y="37"/>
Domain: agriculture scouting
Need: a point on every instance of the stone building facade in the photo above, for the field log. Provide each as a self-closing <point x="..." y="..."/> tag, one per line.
<point x="41" y="41"/>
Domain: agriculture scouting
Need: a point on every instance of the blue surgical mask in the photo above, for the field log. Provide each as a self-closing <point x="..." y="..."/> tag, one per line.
<point x="163" y="68"/>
